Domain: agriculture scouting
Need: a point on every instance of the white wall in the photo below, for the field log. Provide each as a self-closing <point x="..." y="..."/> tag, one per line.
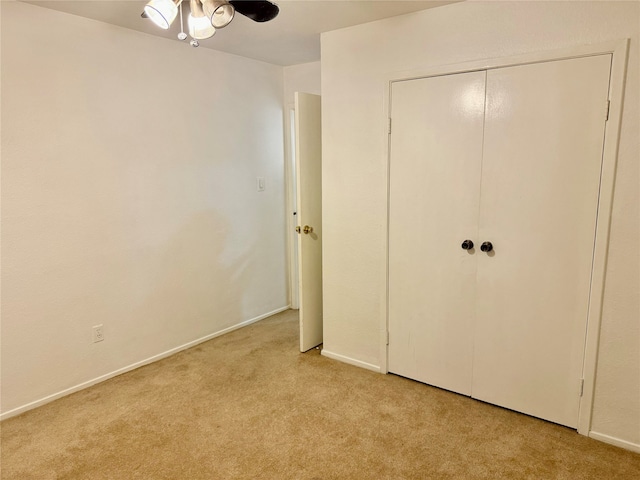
<point x="355" y="61"/>
<point x="129" y="197"/>
<point x="301" y="78"/>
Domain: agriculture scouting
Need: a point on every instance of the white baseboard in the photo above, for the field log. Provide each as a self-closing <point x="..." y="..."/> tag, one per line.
<point x="350" y="361"/>
<point x="133" y="366"/>
<point x="634" y="447"/>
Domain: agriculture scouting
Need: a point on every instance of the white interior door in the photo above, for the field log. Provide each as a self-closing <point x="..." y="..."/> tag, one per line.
<point x="543" y="141"/>
<point x="436" y="154"/>
<point x="309" y="204"/>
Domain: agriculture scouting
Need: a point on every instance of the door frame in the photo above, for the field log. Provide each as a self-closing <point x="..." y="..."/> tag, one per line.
<point x="290" y="196"/>
<point x="619" y="51"/>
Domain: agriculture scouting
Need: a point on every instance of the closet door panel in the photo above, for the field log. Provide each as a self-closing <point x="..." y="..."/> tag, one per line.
<point x="544" y="132"/>
<point x="436" y="149"/>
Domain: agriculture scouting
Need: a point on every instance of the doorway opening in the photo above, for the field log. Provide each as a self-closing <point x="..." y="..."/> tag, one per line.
<point x="292" y="209"/>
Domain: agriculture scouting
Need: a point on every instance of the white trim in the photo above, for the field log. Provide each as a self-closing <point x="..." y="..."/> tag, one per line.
<point x="634" y="447"/>
<point x="133" y="366"/>
<point x="350" y="361"/>
<point x="619" y="61"/>
<point x="605" y="48"/>
<point x="291" y="221"/>
<point x="619" y="51"/>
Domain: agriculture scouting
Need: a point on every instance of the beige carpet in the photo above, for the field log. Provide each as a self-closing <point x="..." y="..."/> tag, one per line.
<point x="248" y="405"/>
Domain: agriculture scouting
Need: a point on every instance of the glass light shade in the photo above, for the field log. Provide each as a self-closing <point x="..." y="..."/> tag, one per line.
<point x="220" y="13"/>
<point x="200" y="27"/>
<point x="161" y="12"/>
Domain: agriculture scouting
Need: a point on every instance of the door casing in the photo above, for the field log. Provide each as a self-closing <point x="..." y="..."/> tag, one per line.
<point x="619" y="51"/>
<point x="291" y="207"/>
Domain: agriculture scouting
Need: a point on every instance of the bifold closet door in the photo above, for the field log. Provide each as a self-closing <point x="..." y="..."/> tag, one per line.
<point x="436" y="156"/>
<point x="543" y="143"/>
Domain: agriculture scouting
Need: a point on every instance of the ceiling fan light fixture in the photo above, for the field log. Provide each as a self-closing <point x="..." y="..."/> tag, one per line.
<point x="199" y="25"/>
<point x="207" y="15"/>
<point x="162" y="12"/>
<point x="219" y="12"/>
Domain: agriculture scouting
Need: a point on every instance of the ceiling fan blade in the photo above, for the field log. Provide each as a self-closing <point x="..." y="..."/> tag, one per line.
<point x="258" y="11"/>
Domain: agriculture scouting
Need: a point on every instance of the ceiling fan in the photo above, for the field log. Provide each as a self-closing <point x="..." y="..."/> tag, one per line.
<point x="207" y="15"/>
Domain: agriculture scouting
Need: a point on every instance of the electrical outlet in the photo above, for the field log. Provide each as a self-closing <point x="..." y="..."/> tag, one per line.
<point x="98" y="333"/>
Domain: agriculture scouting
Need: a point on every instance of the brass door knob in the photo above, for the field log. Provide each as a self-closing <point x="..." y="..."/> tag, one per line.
<point x="307" y="229"/>
<point x="298" y="229"/>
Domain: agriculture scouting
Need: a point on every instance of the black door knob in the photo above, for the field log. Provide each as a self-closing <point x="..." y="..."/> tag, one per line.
<point x="467" y="245"/>
<point x="486" y="246"/>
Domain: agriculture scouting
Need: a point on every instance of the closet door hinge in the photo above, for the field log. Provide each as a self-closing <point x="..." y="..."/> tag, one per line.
<point x="387" y="337"/>
<point x="608" y="108"/>
<point x="389" y="125"/>
<point x="581" y="386"/>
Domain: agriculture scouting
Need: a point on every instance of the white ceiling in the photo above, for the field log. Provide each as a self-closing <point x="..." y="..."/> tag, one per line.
<point x="291" y="38"/>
